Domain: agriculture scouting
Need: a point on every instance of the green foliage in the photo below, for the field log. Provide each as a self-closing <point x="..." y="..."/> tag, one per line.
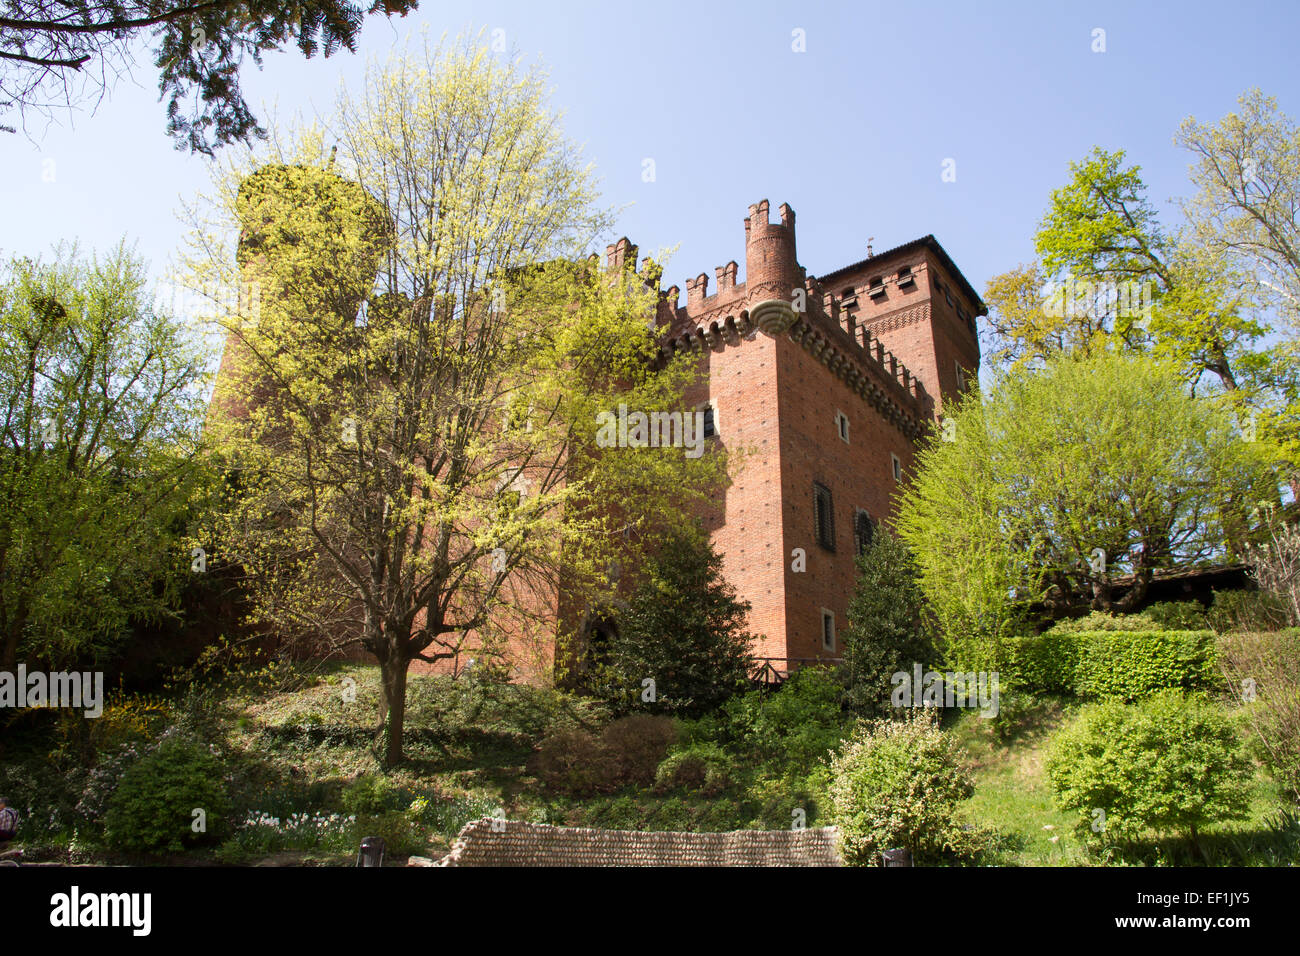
<point x="1095" y="621"/>
<point x="683" y="628"/>
<point x="703" y="767"/>
<point x="1246" y="610"/>
<point x="151" y="809"/>
<point x="196" y="49"/>
<point x="1115" y="663"/>
<point x="795" y="727"/>
<point x="373" y="794"/>
<point x="898" y="784"/>
<point x="1178" y="616"/>
<point x="1106" y="454"/>
<point x="886" y="632"/>
<point x="99" y="455"/>
<point x="1169" y="764"/>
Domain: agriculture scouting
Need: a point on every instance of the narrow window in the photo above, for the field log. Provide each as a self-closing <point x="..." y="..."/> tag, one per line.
<point x="823" y="517"/>
<point x="862" y="532"/>
<point x="898" y="467"/>
<point x="710" y="421"/>
<point x="828" y="630"/>
<point x="842" y="425"/>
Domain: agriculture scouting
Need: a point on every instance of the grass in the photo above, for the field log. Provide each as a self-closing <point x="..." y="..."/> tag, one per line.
<point x="1013" y="794"/>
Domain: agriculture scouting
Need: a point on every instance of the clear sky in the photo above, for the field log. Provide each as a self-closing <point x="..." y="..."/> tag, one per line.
<point x="852" y="132"/>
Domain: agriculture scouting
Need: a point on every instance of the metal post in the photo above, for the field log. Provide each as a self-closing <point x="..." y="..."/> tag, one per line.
<point x="371" y="852"/>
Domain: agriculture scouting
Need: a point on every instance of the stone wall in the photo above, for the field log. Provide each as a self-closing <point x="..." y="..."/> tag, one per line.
<point x="514" y="843"/>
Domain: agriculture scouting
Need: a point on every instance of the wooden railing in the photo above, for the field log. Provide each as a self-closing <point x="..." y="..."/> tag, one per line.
<point x="769" y="674"/>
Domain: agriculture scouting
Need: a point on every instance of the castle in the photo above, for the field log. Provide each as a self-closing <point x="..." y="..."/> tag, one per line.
<point x="832" y="380"/>
<point x="829" y="382"/>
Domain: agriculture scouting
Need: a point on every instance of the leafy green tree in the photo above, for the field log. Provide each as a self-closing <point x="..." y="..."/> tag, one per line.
<point x="1168" y="764"/>
<point x="413" y="395"/>
<point x="1185" y="303"/>
<point x="683" y="628"/>
<point x="100" y="423"/>
<point x="49" y="48"/>
<point x="1071" y="487"/>
<point x="1247" y="210"/>
<point x="887" y="629"/>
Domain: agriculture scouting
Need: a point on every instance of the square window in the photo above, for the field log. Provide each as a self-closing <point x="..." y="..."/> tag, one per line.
<point x="828" y="630"/>
<point x="823" y="517"/>
<point x="898" y="467"/>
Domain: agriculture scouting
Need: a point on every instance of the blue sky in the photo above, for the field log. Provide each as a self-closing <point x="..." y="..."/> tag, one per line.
<point x="853" y="132"/>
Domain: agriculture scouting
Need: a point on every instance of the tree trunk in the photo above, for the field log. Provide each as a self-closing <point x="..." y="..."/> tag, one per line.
<point x="393" y="706"/>
<point x="9" y="650"/>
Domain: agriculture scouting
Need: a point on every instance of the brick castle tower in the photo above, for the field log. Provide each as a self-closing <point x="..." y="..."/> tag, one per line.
<point x="831" y="382"/>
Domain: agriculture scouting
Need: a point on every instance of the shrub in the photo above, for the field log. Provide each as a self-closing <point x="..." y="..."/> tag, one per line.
<point x="1124" y="664"/>
<point x="1169" y="764"/>
<point x="702" y="767"/>
<point x="373" y="794"/>
<point x="886" y="631"/>
<point x="1246" y="611"/>
<point x="1264" y="670"/>
<point x="1178" y="616"/>
<point x="898" y="784"/>
<point x="151" y="809"/>
<point x="571" y="762"/>
<point x="634" y="746"/>
<point x="683" y="628"/>
<point x="798" y="725"/>
<point x="628" y="751"/>
<point x="1096" y="621"/>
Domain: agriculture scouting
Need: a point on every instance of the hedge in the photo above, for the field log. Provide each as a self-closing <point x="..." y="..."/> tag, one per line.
<point x="1114" y="664"/>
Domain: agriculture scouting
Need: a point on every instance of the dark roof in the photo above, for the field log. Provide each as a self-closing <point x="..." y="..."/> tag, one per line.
<point x="933" y="245"/>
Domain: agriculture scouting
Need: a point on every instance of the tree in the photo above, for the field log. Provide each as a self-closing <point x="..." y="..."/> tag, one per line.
<point x="683" y="629"/>
<point x="1220" y="294"/>
<point x="1247" y="210"/>
<point x="887" y="630"/>
<point x="100" y="456"/>
<point x="1064" y="486"/>
<point x="413" y="397"/>
<point x="1115" y="279"/>
<point x="65" y="49"/>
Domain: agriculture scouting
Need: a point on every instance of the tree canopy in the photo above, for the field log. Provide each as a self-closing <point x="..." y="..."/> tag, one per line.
<point x="1069" y="489"/>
